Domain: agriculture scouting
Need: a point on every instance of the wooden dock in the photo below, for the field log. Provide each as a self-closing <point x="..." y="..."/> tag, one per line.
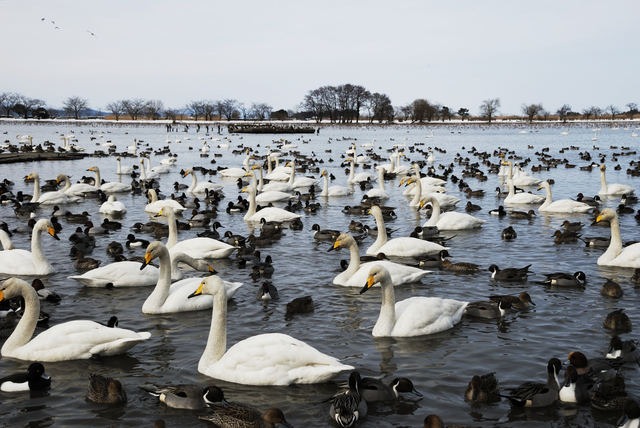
<point x="34" y="157"/>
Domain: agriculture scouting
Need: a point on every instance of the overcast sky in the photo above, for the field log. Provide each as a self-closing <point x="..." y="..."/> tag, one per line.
<point x="457" y="53"/>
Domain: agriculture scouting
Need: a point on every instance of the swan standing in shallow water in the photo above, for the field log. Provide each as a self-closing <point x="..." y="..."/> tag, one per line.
<point x="415" y="316"/>
<point x="23" y="262"/>
<point x="399" y="247"/>
<point x="72" y="340"/>
<point x="123" y="170"/>
<point x="167" y="297"/>
<point x="615" y="254"/>
<point x="450" y="220"/>
<point x="356" y="274"/>
<point x="265" y="359"/>
<point x="563" y="205"/>
<point x="614" y="189"/>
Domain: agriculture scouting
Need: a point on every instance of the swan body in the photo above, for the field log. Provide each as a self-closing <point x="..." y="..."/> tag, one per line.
<point x="279" y="173"/>
<point x="615" y="254"/>
<point x="156" y="205"/>
<point x="614" y="189"/>
<point x="269" y="213"/>
<point x="399" y="247"/>
<point x="34" y="262"/>
<point x="356" y="274"/>
<point x="359" y="177"/>
<point x="301" y="181"/>
<point x="72" y="340"/>
<point x="333" y="190"/>
<point x="274" y="196"/>
<point x="112" y="206"/>
<point x="50" y="198"/>
<point x="450" y="220"/>
<point x="521" y="198"/>
<point x="265" y="359"/>
<point x="520" y="178"/>
<point x="197" y="248"/>
<point x="147" y="174"/>
<point x="167" y="297"/>
<point x="202" y="186"/>
<point x="111" y="187"/>
<point x="232" y="172"/>
<point x="563" y="205"/>
<point x="78" y="189"/>
<point x="381" y="192"/>
<point x="415" y="316"/>
<point x="123" y="170"/>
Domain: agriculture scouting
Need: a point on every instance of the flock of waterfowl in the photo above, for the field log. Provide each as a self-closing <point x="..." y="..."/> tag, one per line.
<point x="281" y="201"/>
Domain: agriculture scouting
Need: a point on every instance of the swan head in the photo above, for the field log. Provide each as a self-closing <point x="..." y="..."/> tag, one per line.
<point x="249" y="189"/>
<point x="154" y="250"/>
<point x="33" y="176"/>
<point x="165" y="212"/>
<point x="256" y="166"/>
<point x="344" y="240"/>
<point x="323" y="173"/>
<point x="210" y="285"/>
<point x="14" y="287"/>
<point x="377" y="274"/>
<point x="187" y="172"/>
<point x="61" y="177"/>
<point x="46" y="226"/>
<point x="606" y="214"/>
<point x="375" y="211"/>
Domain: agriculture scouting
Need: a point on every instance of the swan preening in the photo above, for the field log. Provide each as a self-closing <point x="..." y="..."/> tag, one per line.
<point x="22" y="262"/>
<point x="72" y="340"/>
<point x="264" y="359"/>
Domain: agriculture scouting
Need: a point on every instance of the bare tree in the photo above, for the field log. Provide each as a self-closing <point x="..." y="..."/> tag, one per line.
<point x="134" y="108"/>
<point x="406" y="112"/>
<point x="209" y="109"/>
<point x="489" y="108"/>
<point x="116" y="108"/>
<point x="531" y="110"/>
<point x="261" y="110"/>
<point x="228" y="108"/>
<point x="313" y="103"/>
<point x="563" y="112"/>
<point x="613" y="111"/>
<point x="195" y="108"/>
<point x="75" y="106"/>
<point x="463" y="113"/>
<point x="244" y="110"/>
<point x="447" y="113"/>
<point x="420" y="108"/>
<point x="633" y="109"/>
<point x="25" y="105"/>
<point x="381" y="108"/>
<point x="587" y="113"/>
<point x="153" y="108"/>
<point x="171" y="113"/>
<point x="8" y="101"/>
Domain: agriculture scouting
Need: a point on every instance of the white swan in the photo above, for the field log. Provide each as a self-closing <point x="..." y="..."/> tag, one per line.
<point x="5" y="241"/>
<point x="563" y="205"/>
<point x="201" y="187"/>
<point x="615" y="254"/>
<point x="614" y="189"/>
<point x="275" y="185"/>
<point x="72" y="340"/>
<point x="449" y="220"/>
<point x="521" y="198"/>
<point x="431" y="158"/>
<point x="167" y="297"/>
<point x="129" y="274"/>
<point x="333" y="190"/>
<point x="77" y="189"/>
<point x="269" y="195"/>
<point x="400" y="169"/>
<point x="198" y="248"/>
<point x="399" y="247"/>
<point x="34" y="262"/>
<point x="147" y="174"/>
<point x="110" y="187"/>
<point x="521" y="178"/>
<point x="265" y="359"/>
<point x="155" y="205"/>
<point x="565" y="132"/>
<point x="123" y="170"/>
<point x="134" y="148"/>
<point x="415" y="316"/>
<point x="279" y="173"/>
<point x="112" y="206"/>
<point x="50" y="198"/>
<point x="268" y="213"/>
<point x="356" y="274"/>
<point x="381" y="192"/>
<point x="361" y="176"/>
<point x="301" y="181"/>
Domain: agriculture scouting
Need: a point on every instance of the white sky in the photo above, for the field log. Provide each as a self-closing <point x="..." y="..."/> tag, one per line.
<point x="458" y="53"/>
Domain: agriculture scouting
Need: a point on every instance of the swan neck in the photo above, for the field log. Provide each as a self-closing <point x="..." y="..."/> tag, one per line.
<point x="173" y="230"/>
<point x="98" y="181"/>
<point x="325" y="189"/>
<point x="119" y="163"/>
<point x="194" y="182"/>
<point x="292" y="177"/>
<point x="387" y="318"/>
<point x="252" y="205"/>
<point x="354" y="260"/>
<point x="549" y="199"/>
<point x="382" y="233"/>
<point x="435" y="212"/>
<point x="36" y="189"/>
<point x="39" y="260"/>
<point x="615" y="246"/>
<point x="352" y="172"/>
<point x="261" y="180"/>
<point x="163" y="286"/>
<point x="418" y="192"/>
<point x="603" y="182"/>
<point x="217" y="341"/>
<point x="27" y="325"/>
<point x="381" y="178"/>
<point x="67" y="183"/>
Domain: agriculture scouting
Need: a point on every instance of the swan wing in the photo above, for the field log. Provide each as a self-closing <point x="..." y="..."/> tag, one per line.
<point x="120" y="274"/>
<point x="418" y="316"/>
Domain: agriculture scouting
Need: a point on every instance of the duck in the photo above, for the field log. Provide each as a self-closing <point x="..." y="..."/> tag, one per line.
<point x="618" y="321"/>
<point x="415" y="316"/>
<point x="435" y="421"/>
<point x="610" y="396"/>
<point x="603" y="369"/>
<point x="8" y="325"/>
<point x="534" y="394"/>
<point x="155" y="205"/>
<point x="450" y="220"/>
<point x="611" y="289"/>
<point x="508" y="234"/>
<point x="34" y="262"/>
<point x="627" y="350"/>
<point x="572" y="226"/>
<point x="631" y="417"/>
<point x="265" y="359"/>
<point x="523" y="215"/>
<point x="509" y="274"/>
<point x="500" y="211"/>
<point x="519" y="302"/>
<point x="348" y="406"/>
<point x="577" y="388"/>
<point x="324" y="234"/>
<point x="196" y="187"/>
<point x="356" y="274"/>
<point x="105" y="390"/>
<point x="564" y="237"/>
<point x="57" y="197"/>
<point x="109" y="187"/>
<point x="615" y="254"/>
<point x="267" y="291"/>
<point x="636" y="276"/>
<point x="185" y="396"/>
<point x="488" y="309"/>
<point x="563" y="205"/>
<point x="35" y="379"/>
<point x="240" y="415"/>
<point x="268" y="213"/>
<point x="614" y="189"/>
<point x="483" y="389"/>
<point x="83" y="263"/>
<point x="333" y="191"/>
<point x="470" y="207"/>
<point x="113" y="207"/>
<point x="197" y="248"/>
<point x="299" y="305"/>
<point x="565" y="279"/>
<point x="463" y="267"/>
<point x="133" y="242"/>
<point x="374" y="390"/>
<point x="72" y="340"/>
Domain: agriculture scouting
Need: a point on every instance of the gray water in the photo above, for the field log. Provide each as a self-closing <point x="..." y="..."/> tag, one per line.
<point x="440" y="366"/>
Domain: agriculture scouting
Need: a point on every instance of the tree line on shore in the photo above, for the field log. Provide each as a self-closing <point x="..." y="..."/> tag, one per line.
<point x="338" y="104"/>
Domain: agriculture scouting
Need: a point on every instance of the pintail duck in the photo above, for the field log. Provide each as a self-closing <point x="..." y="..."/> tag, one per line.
<point x="299" y="305"/>
<point x="565" y="237"/>
<point x="627" y="350"/>
<point x="611" y="289"/>
<point x="349" y="406"/>
<point x="565" y="279"/>
<point x="374" y="390"/>
<point x="523" y="215"/>
<point x="534" y="394"/>
<point x="488" y="309"/>
<point x="509" y="274"/>
<point x="610" y="396"/>
<point x="463" y="267"/>
<point x="186" y="396"/>
<point x="577" y="388"/>
<point x="520" y="302"/>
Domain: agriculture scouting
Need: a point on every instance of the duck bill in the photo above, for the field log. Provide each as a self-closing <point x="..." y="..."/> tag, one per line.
<point x="197" y="292"/>
<point x="368" y="285"/>
<point x="147" y="259"/>
<point x="416" y="392"/>
<point x="52" y="232"/>
<point x="474" y="394"/>
<point x="286" y="424"/>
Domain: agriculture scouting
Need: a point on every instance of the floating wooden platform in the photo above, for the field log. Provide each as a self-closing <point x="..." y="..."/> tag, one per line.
<point x="270" y="129"/>
<point x="33" y="157"/>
